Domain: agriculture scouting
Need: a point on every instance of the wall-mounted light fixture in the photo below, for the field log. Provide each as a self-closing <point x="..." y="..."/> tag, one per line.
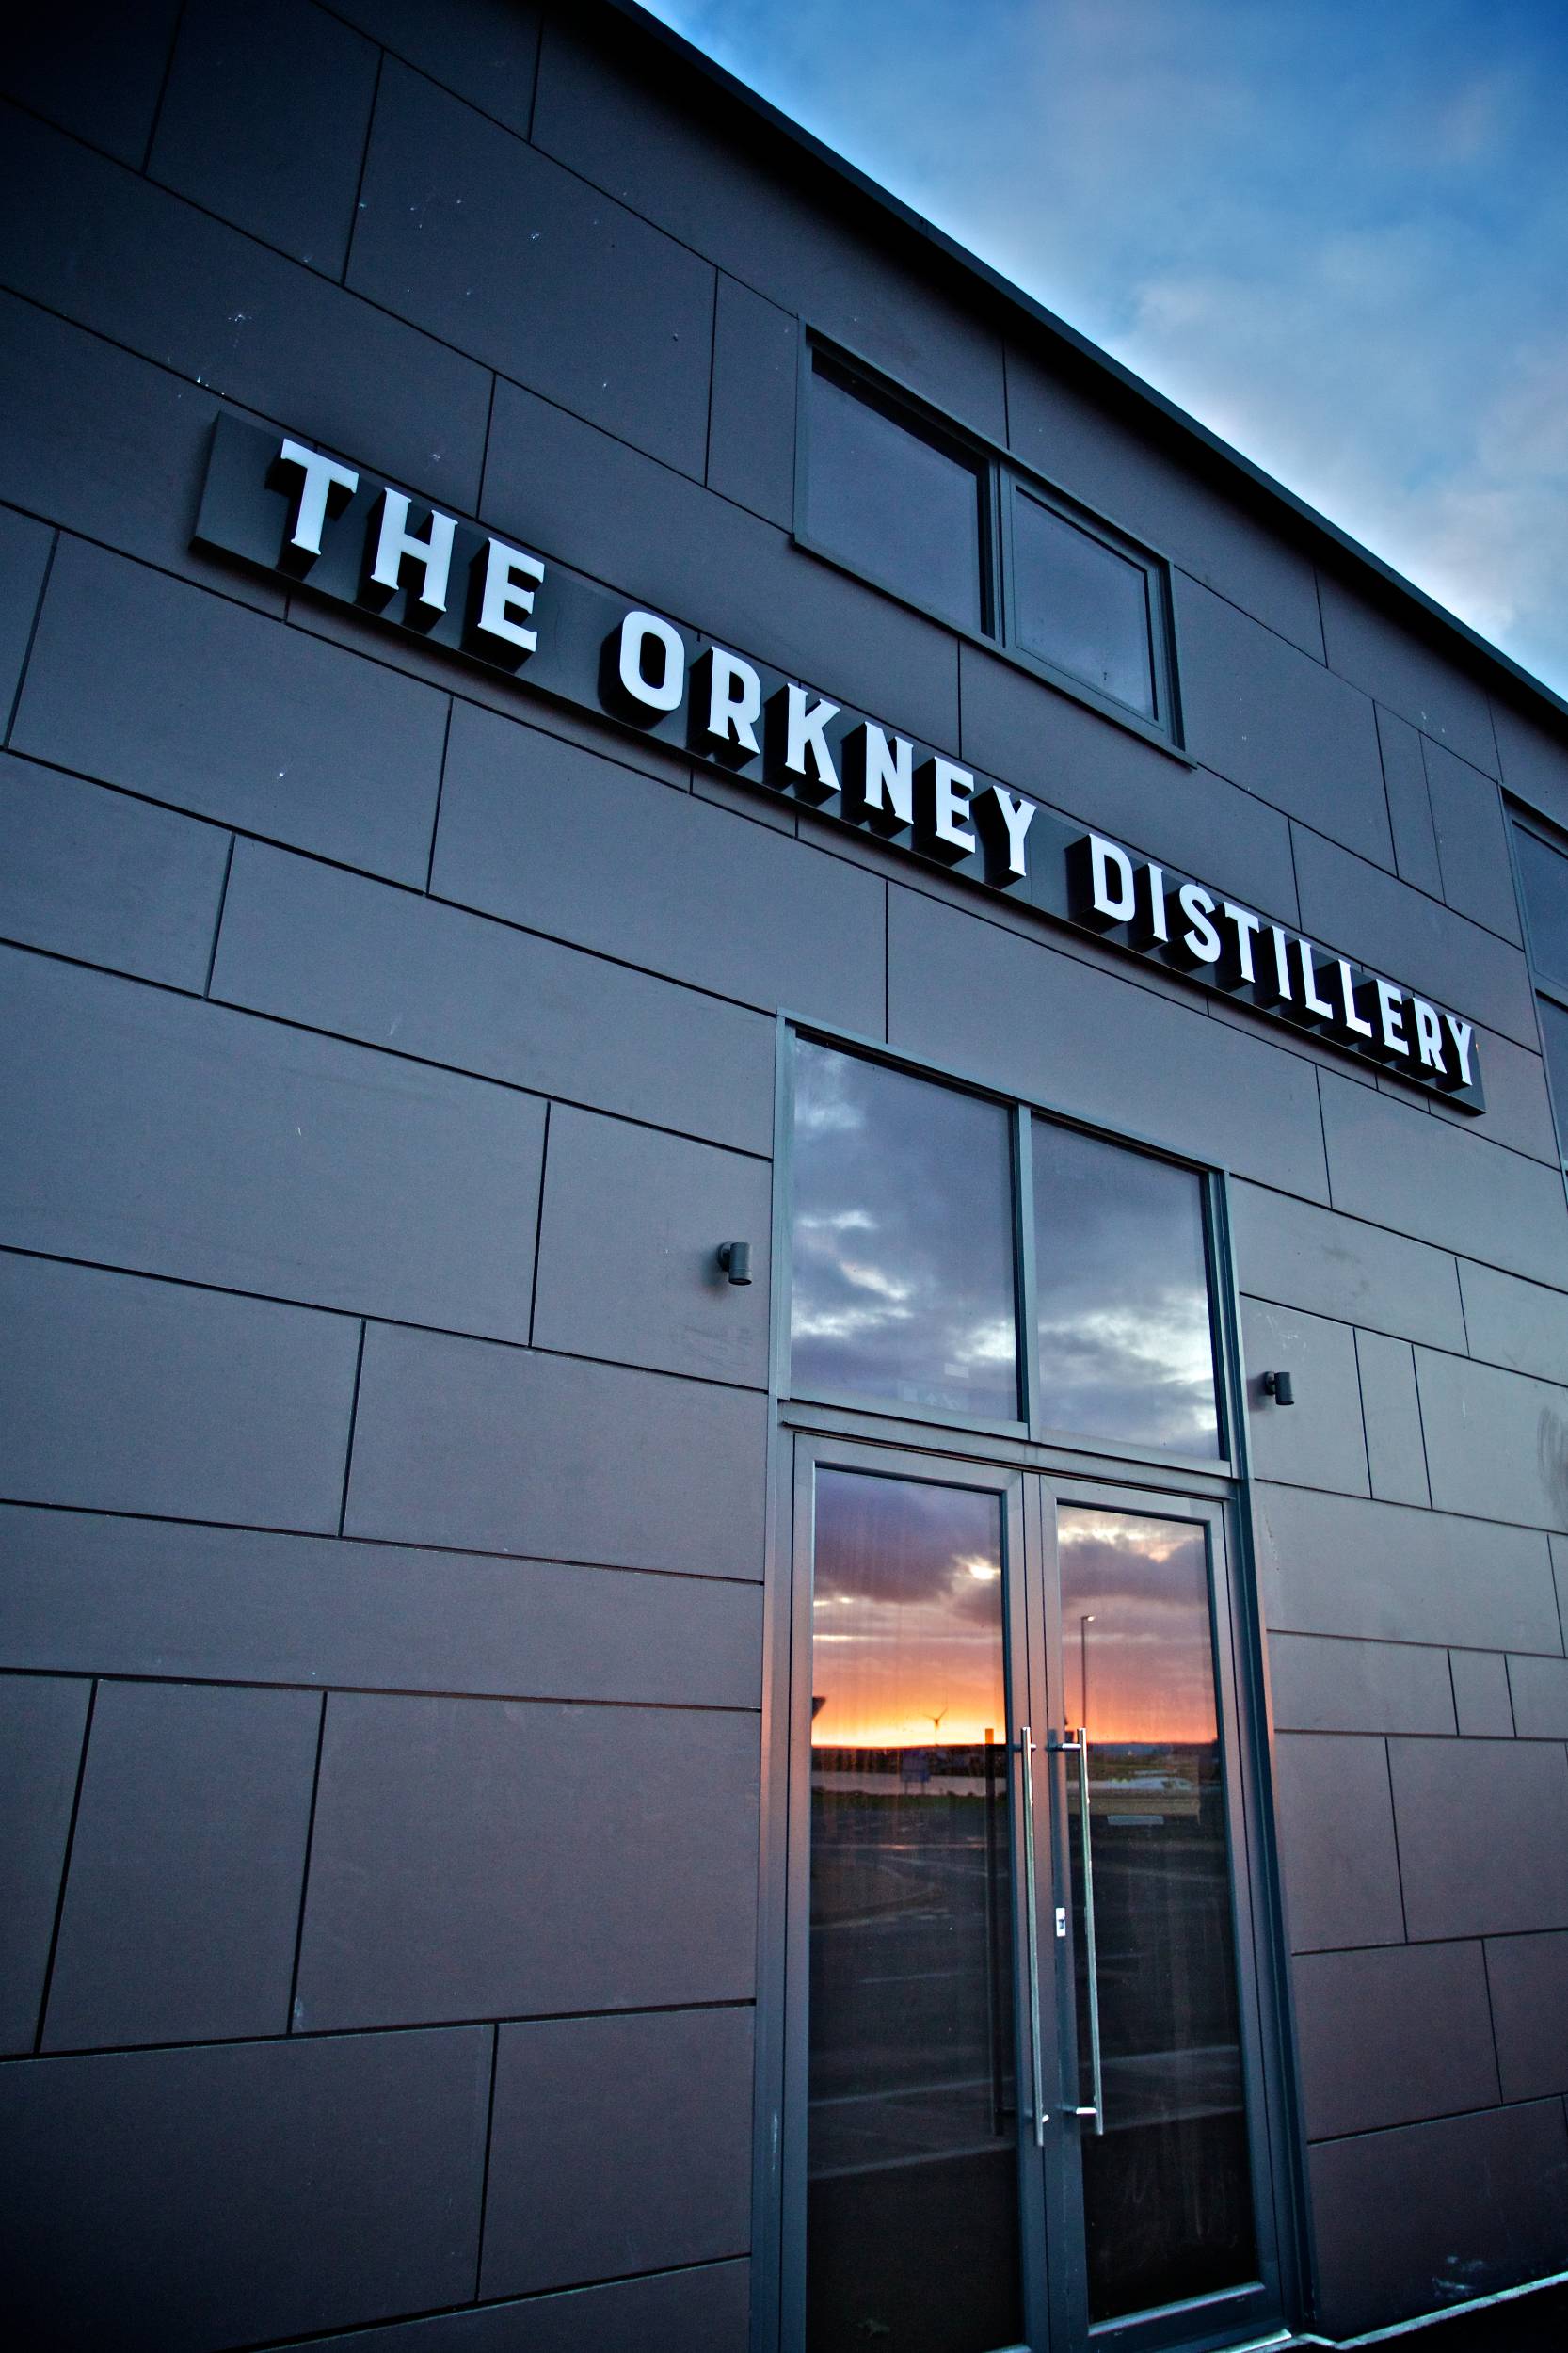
<point x="1278" y="1386"/>
<point x="735" y="1258"/>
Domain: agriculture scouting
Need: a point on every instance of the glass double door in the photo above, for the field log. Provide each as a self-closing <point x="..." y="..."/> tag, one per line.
<point x="1022" y="2079"/>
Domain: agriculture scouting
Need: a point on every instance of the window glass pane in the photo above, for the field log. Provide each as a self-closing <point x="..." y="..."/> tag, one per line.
<point x="903" y="1240"/>
<point x="1080" y="607"/>
<point x="892" y="502"/>
<point x="1123" y="1282"/>
<point x="1167" y="2193"/>
<point x="1544" y="876"/>
<point x="1554" y="1035"/>
<point x="911" y="2135"/>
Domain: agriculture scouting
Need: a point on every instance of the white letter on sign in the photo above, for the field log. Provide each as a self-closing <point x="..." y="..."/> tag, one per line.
<point x="637" y="631"/>
<point x="320" y="478"/>
<point x="504" y="596"/>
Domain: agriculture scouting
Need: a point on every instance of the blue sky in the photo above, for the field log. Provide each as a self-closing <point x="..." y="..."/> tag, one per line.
<point x="1337" y="233"/>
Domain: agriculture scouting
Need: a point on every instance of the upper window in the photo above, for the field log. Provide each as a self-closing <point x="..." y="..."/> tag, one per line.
<point x="957" y="529"/>
<point x="1543" y="881"/>
<point x="909" y="1290"/>
<point x="886" y="496"/>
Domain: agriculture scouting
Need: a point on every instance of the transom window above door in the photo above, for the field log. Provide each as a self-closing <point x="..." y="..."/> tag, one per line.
<point x="957" y="1259"/>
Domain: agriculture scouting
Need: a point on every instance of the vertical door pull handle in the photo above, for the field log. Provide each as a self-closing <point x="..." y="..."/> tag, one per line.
<point x="1079" y="1740"/>
<point x="1026" y="1751"/>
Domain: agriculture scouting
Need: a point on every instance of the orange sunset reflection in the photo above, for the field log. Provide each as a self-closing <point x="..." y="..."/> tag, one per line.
<point x="907" y="1649"/>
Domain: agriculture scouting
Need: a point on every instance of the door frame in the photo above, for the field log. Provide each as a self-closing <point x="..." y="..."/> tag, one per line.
<point x="1028" y="1493"/>
<point x="1280" y="2140"/>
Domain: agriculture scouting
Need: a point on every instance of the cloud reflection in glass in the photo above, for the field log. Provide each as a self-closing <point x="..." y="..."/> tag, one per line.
<point x="1122" y="1279"/>
<point x="903" y="1240"/>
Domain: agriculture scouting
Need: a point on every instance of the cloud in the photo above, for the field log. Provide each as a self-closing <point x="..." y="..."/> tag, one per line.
<point x="1337" y="235"/>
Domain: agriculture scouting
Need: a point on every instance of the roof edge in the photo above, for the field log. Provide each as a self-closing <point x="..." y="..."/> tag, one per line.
<point x="1090" y="355"/>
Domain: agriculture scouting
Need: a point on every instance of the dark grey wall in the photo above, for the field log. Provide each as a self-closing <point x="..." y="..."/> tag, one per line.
<point x="383" y="1471"/>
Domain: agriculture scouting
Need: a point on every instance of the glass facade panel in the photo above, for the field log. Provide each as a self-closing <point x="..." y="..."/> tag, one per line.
<point x="1080" y="607"/>
<point x="903" y="1288"/>
<point x="893" y="502"/>
<point x="1127" y="1352"/>
<point x="912" y="2181"/>
<point x="1167" y="2193"/>
<point x="1544" y="873"/>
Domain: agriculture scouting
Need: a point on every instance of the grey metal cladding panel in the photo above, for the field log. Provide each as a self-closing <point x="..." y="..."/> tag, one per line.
<point x="1528" y="1977"/>
<point x="1512" y="1322"/>
<point x="94" y="874"/>
<point x="1270" y="718"/>
<point x="1483" y="1835"/>
<point x="617" y="2145"/>
<point x="285" y="165"/>
<point x="483" y="50"/>
<point x="1337" y="1841"/>
<point x="109" y="445"/>
<point x="1013" y="1014"/>
<point x="1355" y="907"/>
<point x="24" y="547"/>
<point x="1057" y="426"/>
<point x="143" y="1597"/>
<point x="1392" y="2036"/>
<point x="146" y="681"/>
<point x="705" y="2310"/>
<point x="1404" y="778"/>
<point x="1333" y="1564"/>
<point x="1472" y="841"/>
<point x="1318" y="1441"/>
<point x="1017" y="728"/>
<point x="309" y="943"/>
<point x="1391" y="1410"/>
<point x="1321" y="1683"/>
<point x="1392" y="1164"/>
<point x="1422" y="685"/>
<point x="629" y="1233"/>
<point x="556" y="484"/>
<point x="1432" y="2215"/>
<point x="1534" y="760"/>
<point x="597" y="1858"/>
<point x="1483" y="1709"/>
<point x="232" y="315"/>
<point x="186" y="1867"/>
<point x="1518" y="1110"/>
<point x="751" y="425"/>
<point x="501" y="1450"/>
<point x="547" y="835"/>
<point x="321" y="2180"/>
<point x="42" y="1719"/>
<point x="467" y="232"/>
<point x="709" y="178"/>
<point x="110" y="101"/>
<point x="178" y="1138"/>
<point x="1498" y="1442"/>
<point x="1310" y="1257"/>
<point x="123" y="1395"/>
<point x="1538" y="1690"/>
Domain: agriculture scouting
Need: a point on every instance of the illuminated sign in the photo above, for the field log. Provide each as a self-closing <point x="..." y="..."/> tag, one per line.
<point x="346" y="534"/>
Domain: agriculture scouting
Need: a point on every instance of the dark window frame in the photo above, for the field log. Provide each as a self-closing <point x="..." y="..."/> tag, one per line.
<point x="1028" y="1430"/>
<point x="1523" y="820"/>
<point x="1002" y="478"/>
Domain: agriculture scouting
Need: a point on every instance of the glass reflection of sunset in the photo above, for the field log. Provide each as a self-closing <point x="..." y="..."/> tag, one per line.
<point x="1135" y="1624"/>
<point x="907" y="1616"/>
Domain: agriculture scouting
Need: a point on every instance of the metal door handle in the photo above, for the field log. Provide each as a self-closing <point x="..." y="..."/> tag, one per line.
<point x="1026" y="1751"/>
<point x="1078" y="1739"/>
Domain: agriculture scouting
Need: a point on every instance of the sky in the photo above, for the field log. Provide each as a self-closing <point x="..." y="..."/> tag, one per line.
<point x="1333" y="230"/>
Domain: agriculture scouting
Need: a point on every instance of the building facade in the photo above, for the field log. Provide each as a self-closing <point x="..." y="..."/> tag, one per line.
<point x="784" y="1372"/>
